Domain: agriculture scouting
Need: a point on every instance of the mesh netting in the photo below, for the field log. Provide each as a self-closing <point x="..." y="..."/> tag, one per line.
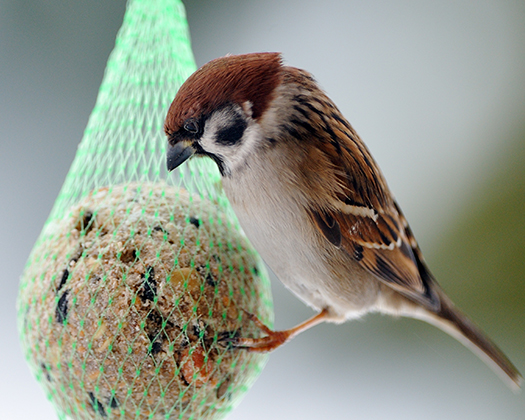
<point x="138" y="278"/>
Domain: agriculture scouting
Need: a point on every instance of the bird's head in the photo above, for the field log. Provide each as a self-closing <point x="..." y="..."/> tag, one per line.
<point x="215" y="112"/>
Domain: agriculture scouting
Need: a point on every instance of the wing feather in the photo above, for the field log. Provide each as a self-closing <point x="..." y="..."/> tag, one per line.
<point x="361" y="217"/>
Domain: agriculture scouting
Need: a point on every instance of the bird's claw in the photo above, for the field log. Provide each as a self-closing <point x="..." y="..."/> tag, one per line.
<point x="269" y="342"/>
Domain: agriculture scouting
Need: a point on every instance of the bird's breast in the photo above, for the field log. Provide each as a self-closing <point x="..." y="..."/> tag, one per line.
<point x="279" y="228"/>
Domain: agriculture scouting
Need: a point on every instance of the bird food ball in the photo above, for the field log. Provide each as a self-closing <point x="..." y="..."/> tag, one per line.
<point x="127" y="305"/>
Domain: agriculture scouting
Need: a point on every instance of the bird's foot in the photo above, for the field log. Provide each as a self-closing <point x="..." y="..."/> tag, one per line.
<point x="273" y="339"/>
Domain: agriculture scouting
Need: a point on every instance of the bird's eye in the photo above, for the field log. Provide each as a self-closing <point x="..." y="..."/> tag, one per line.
<point x="191" y="126"/>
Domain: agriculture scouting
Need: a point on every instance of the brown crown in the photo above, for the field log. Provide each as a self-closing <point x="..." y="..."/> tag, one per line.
<point x="234" y="78"/>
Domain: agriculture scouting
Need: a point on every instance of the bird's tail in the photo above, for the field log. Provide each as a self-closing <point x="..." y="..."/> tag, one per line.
<point x="452" y="321"/>
<point x="443" y="314"/>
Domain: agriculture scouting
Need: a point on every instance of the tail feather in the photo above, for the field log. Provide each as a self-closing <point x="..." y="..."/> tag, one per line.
<point x="449" y="319"/>
<point x="441" y="312"/>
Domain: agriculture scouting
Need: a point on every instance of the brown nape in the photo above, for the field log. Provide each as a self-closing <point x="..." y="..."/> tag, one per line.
<point x="234" y="78"/>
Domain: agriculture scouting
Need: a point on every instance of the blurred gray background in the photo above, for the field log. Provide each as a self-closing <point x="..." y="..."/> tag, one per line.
<point x="436" y="89"/>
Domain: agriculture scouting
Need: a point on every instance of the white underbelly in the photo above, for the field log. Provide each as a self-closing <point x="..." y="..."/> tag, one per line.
<point x="281" y="231"/>
<point x="285" y="246"/>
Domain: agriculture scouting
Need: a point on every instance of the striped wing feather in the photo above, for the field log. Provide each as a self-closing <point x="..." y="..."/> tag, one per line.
<point x="361" y="217"/>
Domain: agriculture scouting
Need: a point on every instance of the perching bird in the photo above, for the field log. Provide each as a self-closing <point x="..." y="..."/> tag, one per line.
<point x="310" y="198"/>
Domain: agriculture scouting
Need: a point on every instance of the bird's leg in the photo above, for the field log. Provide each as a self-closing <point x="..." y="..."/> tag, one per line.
<point x="274" y="339"/>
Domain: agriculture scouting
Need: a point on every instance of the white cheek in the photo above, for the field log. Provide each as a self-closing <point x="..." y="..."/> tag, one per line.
<point x="208" y="138"/>
<point x="246" y="147"/>
<point x="207" y="141"/>
<point x="233" y="156"/>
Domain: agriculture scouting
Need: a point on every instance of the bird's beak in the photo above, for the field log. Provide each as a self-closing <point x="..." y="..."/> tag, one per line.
<point x="178" y="154"/>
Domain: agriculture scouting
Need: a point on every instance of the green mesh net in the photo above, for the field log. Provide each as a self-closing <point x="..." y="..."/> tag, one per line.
<point x="138" y="278"/>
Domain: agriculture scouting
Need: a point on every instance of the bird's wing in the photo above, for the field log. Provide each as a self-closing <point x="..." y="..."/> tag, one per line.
<point x="360" y="216"/>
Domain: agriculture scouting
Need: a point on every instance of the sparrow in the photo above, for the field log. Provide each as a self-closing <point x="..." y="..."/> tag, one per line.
<point x="311" y="199"/>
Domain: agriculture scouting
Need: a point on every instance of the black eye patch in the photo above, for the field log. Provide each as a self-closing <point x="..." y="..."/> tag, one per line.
<point x="191" y="129"/>
<point x="233" y="133"/>
<point x="191" y="126"/>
